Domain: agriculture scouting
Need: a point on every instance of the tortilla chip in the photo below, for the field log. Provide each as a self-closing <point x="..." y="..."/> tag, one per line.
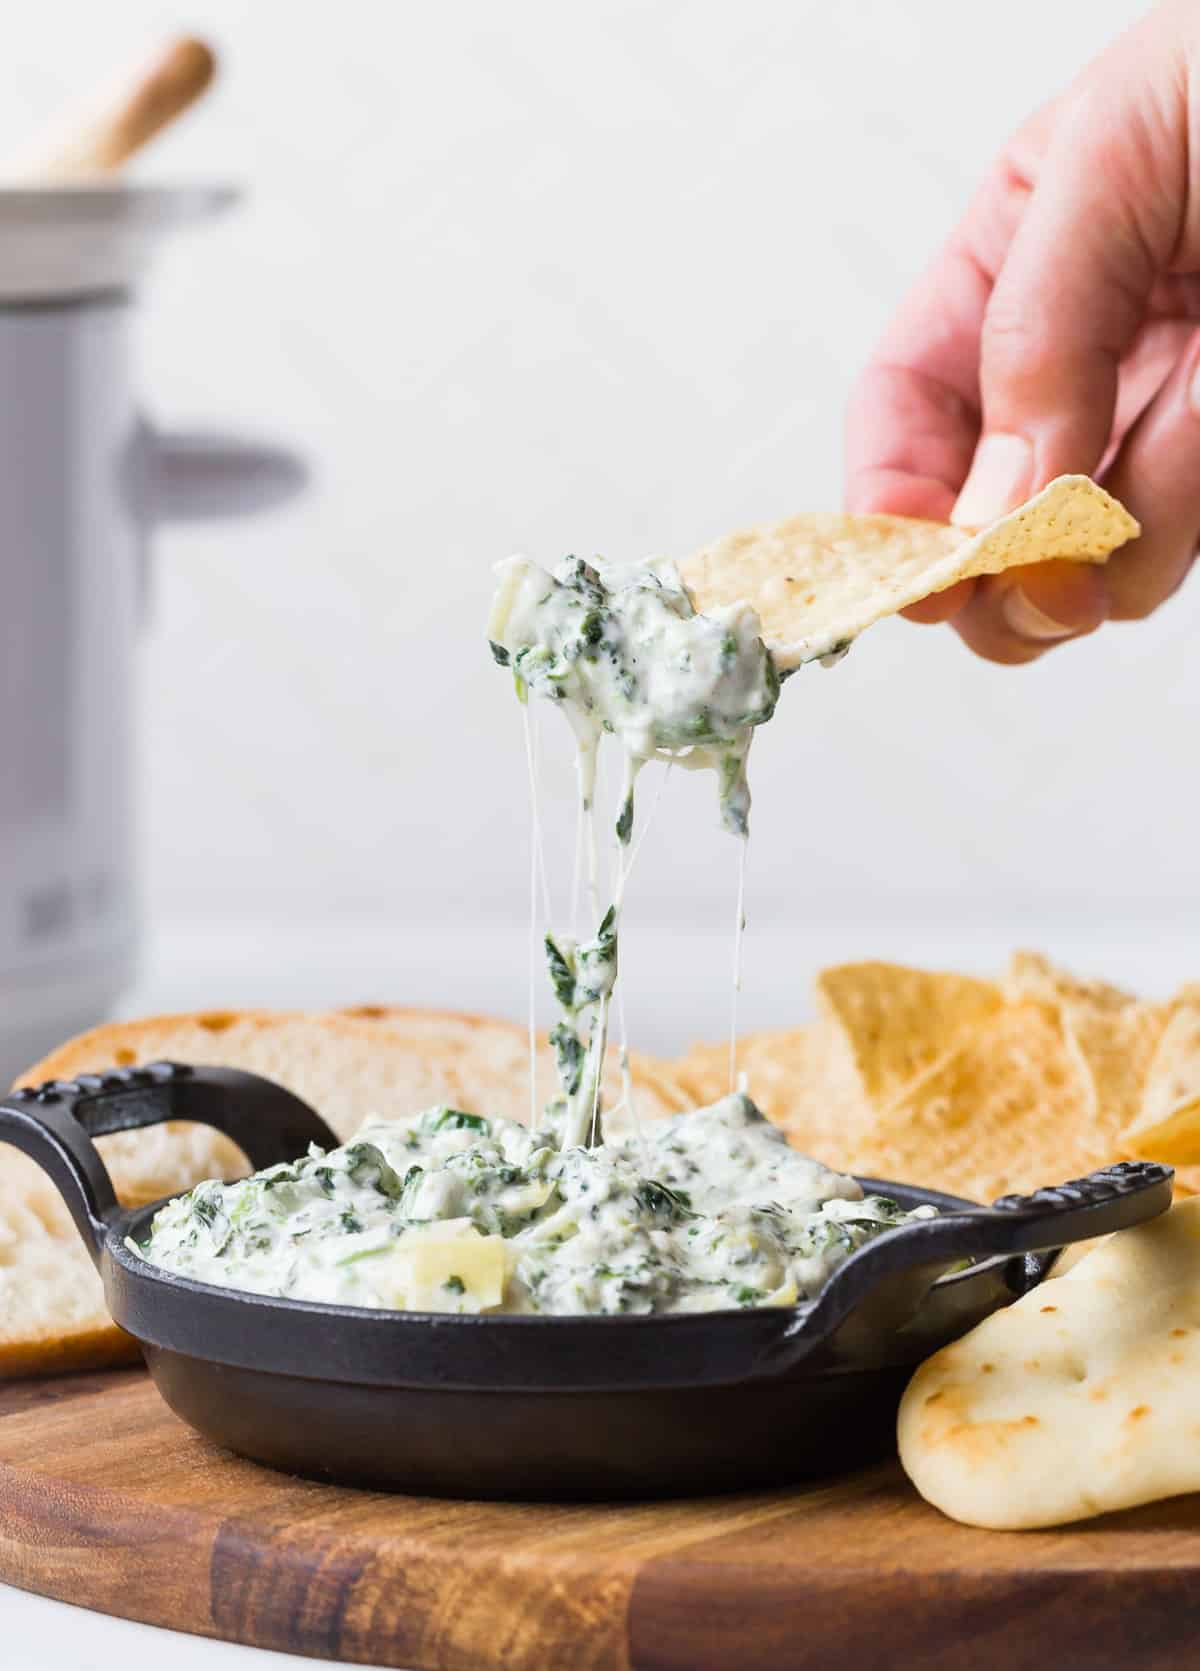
<point x="1031" y="975"/>
<point x="801" y="1077"/>
<point x="1116" y="1052"/>
<point x="897" y="1022"/>
<point x="703" y="1069"/>
<point x="1080" y="1398"/>
<point x="817" y="581"/>
<point x="1167" y="1126"/>
<point x="1007" y="1110"/>
<point x="777" y="1065"/>
<point x="1113" y="1035"/>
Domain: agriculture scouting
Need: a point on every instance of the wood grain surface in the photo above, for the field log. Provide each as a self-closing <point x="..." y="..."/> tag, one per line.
<point x="107" y="1501"/>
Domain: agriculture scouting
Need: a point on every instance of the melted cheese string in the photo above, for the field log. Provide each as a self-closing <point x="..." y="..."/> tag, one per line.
<point x="739" y="936"/>
<point x="537" y="874"/>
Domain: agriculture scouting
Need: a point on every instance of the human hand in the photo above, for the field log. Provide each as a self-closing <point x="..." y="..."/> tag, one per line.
<point x="1057" y="331"/>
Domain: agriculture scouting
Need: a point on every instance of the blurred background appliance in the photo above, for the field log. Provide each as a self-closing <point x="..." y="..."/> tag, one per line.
<point x="84" y="480"/>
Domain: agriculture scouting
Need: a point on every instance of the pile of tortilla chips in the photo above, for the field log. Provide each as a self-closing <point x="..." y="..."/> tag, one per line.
<point x="972" y="1086"/>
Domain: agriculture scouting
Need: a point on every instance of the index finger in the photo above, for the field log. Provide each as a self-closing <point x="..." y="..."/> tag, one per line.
<point x="914" y="416"/>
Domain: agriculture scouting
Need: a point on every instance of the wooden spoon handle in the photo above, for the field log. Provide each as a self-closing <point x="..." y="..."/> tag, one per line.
<point x="138" y="108"/>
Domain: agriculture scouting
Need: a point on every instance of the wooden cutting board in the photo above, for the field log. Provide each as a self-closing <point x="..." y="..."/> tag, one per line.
<point x="106" y="1500"/>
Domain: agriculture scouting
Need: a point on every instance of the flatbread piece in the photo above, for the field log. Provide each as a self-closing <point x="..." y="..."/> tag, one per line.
<point x="1080" y="1398"/>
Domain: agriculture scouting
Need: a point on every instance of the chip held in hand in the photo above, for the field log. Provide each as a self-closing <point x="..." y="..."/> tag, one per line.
<point x="818" y="580"/>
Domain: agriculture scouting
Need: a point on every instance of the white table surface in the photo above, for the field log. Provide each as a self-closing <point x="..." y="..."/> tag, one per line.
<point x="41" y="1635"/>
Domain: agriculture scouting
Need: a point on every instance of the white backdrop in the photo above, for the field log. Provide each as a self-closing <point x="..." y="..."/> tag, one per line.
<point x="589" y="278"/>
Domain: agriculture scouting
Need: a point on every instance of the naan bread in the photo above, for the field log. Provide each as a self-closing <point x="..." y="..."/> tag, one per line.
<point x="1080" y="1398"/>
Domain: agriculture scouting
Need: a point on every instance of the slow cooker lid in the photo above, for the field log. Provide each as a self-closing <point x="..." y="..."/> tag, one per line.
<point x="59" y="242"/>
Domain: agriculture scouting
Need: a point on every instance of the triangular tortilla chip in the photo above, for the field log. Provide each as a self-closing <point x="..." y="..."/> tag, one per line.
<point x="1116" y="1051"/>
<point x="1005" y="1111"/>
<point x="1167" y="1126"/>
<point x="898" y="1021"/>
<point x="1031" y="975"/>
<point x="1113" y="1035"/>
<point x="801" y="1077"/>
<point x="817" y="581"/>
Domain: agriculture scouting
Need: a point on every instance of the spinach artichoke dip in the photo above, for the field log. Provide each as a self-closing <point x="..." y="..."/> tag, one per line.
<point x="454" y="1212"/>
<point x="450" y="1211"/>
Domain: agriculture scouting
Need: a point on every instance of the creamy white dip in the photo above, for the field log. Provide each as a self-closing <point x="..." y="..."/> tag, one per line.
<point x="453" y="1212"/>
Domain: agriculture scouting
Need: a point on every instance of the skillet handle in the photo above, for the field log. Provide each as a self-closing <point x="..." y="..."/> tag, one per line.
<point x="54" y="1124"/>
<point x="880" y="1287"/>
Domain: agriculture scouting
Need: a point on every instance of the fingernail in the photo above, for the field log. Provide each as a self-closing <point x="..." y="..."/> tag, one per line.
<point x="1000" y="479"/>
<point x="1026" y="619"/>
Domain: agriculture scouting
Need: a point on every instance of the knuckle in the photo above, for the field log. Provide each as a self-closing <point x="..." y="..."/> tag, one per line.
<point x="872" y="386"/>
<point x="1017" y="343"/>
<point x="1085" y="112"/>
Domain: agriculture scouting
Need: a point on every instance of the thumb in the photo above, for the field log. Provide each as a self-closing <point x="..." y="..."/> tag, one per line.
<point x="1100" y="227"/>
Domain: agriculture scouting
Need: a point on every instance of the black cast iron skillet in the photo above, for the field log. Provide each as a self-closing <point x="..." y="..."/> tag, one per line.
<point x="534" y="1406"/>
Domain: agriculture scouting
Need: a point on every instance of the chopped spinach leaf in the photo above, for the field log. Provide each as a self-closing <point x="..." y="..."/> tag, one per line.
<point x="568" y="1056"/>
<point x="562" y="978"/>
<point x="453" y="1119"/>
<point x="366" y="1165"/>
<point x="625" y="820"/>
